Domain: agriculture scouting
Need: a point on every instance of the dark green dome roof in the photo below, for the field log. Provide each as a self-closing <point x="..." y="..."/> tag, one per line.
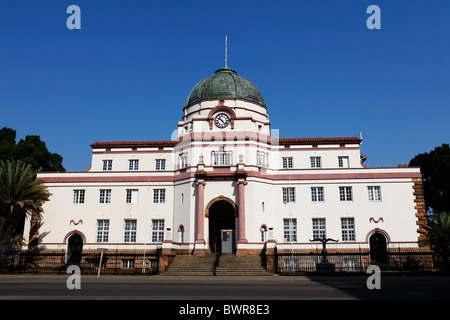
<point x="225" y="84"/>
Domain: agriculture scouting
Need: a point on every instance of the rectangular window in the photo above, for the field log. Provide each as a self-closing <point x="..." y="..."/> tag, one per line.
<point x="374" y="193"/>
<point x="132" y="196"/>
<point x="343" y="162"/>
<point x="130" y="231"/>
<point x="160" y="164"/>
<point x="159" y="195"/>
<point x="262" y="160"/>
<point x="102" y="230"/>
<point x="288" y="194"/>
<point x="157" y="230"/>
<point x="290" y="230"/>
<point x="78" y="196"/>
<point x="107" y="165"/>
<point x="183" y="161"/>
<point x="222" y="158"/>
<point x="345" y="194"/>
<point x="128" y="264"/>
<point x="105" y="195"/>
<point x="316" y="162"/>
<point x="348" y="229"/>
<point x="133" y="165"/>
<point x="319" y="229"/>
<point x="288" y="163"/>
<point x="317" y="194"/>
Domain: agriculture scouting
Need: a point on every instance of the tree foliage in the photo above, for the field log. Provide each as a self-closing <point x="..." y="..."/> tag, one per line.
<point x="438" y="233"/>
<point x="435" y="169"/>
<point x="31" y="150"/>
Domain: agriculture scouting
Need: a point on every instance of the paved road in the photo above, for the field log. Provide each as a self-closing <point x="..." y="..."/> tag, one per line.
<point x="13" y="287"/>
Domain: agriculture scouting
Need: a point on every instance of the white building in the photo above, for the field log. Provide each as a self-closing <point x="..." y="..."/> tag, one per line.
<point x="228" y="183"/>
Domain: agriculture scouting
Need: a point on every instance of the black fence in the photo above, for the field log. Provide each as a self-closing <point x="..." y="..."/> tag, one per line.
<point x="355" y="261"/>
<point x="51" y="261"/>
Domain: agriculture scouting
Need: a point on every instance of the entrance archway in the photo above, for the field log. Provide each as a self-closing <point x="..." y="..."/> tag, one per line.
<point x="222" y="216"/>
<point x="74" y="249"/>
<point x="378" y="248"/>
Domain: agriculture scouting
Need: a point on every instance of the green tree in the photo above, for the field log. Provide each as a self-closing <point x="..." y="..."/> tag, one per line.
<point x="438" y="233"/>
<point x="20" y="195"/>
<point x="435" y="169"/>
<point x="31" y="150"/>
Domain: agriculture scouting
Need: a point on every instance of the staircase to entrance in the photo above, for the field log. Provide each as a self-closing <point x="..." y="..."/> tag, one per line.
<point x="213" y="264"/>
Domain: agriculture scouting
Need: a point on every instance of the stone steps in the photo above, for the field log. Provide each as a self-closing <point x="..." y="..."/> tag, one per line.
<point x="188" y="265"/>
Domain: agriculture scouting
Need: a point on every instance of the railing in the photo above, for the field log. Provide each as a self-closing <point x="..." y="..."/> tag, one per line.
<point x="113" y="262"/>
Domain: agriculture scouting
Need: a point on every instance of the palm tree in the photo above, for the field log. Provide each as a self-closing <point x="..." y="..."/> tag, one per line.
<point x="438" y="233"/>
<point x="20" y="195"/>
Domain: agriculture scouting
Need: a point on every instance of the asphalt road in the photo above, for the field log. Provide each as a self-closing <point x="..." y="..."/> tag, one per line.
<point x="54" y="287"/>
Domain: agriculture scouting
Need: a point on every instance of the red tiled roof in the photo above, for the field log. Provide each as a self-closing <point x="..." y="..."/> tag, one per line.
<point x="319" y="140"/>
<point x="125" y="144"/>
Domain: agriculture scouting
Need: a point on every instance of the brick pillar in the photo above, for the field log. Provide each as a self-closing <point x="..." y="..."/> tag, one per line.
<point x="421" y="213"/>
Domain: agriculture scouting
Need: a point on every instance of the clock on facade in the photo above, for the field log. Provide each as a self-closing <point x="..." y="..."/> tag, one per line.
<point x="222" y="120"/>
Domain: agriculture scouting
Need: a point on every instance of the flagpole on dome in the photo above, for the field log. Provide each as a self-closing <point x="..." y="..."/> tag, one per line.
<point x="226" y="40"/>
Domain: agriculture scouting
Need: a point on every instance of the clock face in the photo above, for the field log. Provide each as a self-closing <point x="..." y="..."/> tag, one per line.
<point x="222" y="120"/>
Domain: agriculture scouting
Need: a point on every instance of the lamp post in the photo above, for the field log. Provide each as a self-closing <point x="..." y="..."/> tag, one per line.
<point x="101" y="258"/>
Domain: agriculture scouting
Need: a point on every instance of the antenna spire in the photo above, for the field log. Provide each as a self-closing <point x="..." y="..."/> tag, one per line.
<point x="226" y="51"/>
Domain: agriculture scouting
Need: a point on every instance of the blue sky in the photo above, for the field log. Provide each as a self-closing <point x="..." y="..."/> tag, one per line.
<point x="126" y="74"/>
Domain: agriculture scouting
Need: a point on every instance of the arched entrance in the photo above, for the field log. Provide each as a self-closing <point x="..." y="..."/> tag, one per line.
<point x="378" y="248"/>
<point x="222" y="224"/>
<point x="74" y="249"/>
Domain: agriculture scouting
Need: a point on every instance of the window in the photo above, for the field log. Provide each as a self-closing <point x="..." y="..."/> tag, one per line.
<point x="102" y="230"/>
<point x="343" y="162"/>
<point x="133" y="165"/>
<point x="319" y="229"/>
<point x="348" y="229"/>
<point x="374" y="193"/>
<point x="183" y="161"/>
<point x="78" y="196"/>
<point x="160" y="164"/>
<point x="159" y="195"/>
<point x="316" y="162"/>
<point x="132" y="196"/>
<point x="129" y="231"/>
<point x="157" y="230"/>
<point x="290" y="230"/>
<point x="288" y="194"/>
<point x="262" y="160"/>
<point x="107" y="165"/>
<point x="345" y="194"/>
<point x="128" y="264"/>
<point x="222" y="158"/>
<point x="288" y="163"/>
<point x="105" y="195"/>
<point x="317" y="194"/>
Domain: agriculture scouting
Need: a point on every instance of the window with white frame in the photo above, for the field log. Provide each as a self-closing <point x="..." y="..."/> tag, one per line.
<point x="317" y="194"/>
<point x="102" y="230"/>
<point x="183" y="161"/>
<point x="288" y="163"/>
<point x="133" y="165"/>
<point x="348" y="229"/>
<point x="78" y="196"/>
<point x="262" y="159"/>
<point x="129" y="234"/>
<point x="132" y="196"/>
<point x="157" y="230"/>
<point x="343" y="162"/>
<point x="159" y="195"/>
<point x="319" y="228"/>
<point x="105" y="196"/>
<point x="288" y="194"/>
<point x="107" y="165"/>
<point x="290" y="230"/>
<point x="160" y="164"/>
<point x="316" y="162"/>
<point x="345" y="194"/>
<point x="222" y="158"/>
<point x="128" y="264"/>
<point x="374" y="193"/>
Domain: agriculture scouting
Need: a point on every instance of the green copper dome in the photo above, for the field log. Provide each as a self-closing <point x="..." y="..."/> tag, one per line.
<point x="225" y="84"/>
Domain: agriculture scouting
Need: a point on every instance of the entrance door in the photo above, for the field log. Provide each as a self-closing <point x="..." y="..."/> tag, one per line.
<point x="74" y="249"/>
<point x="221" y="218"/>
<point x="227" y="240"/>
<point x="378" y="248"/>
